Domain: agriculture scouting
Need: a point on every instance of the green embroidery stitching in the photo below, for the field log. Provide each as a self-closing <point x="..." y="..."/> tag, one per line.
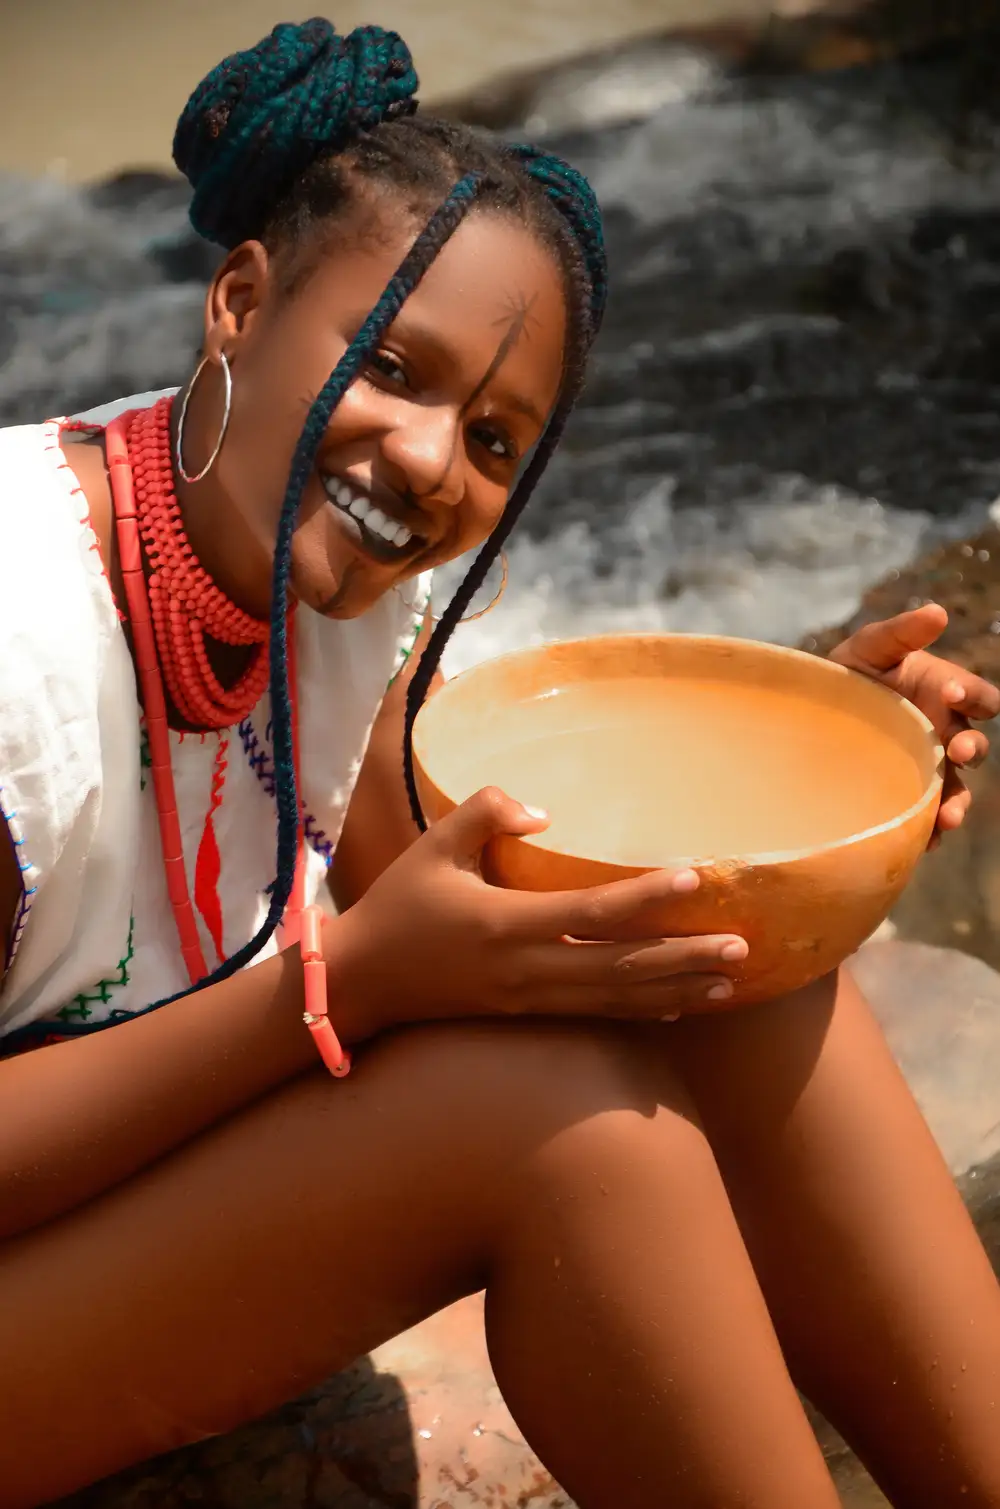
<point x="81" y="1006"/>
<point x="406" y="650"/>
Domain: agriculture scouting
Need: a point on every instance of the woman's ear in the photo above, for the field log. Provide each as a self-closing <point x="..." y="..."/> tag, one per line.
<point x="234" y="299"/>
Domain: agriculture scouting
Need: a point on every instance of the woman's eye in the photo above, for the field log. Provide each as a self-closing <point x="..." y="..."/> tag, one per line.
<point x="388" y="367"/>
<point x="497" y="443"/>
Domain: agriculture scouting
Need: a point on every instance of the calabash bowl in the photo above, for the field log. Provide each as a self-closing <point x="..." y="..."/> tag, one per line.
<point x="803" y="794"/>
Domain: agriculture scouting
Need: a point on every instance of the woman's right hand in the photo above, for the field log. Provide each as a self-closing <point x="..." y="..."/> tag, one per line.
<point x="432" y="939"/>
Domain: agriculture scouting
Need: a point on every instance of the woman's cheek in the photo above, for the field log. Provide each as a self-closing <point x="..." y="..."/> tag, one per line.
<point x="485" y="514"/>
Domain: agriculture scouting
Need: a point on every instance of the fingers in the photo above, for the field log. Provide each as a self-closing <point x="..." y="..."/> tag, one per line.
<point x="654" y="1001"/>
<point x="463" y="834"/>
<point x="597" y="913"/>
<point x="880" y="646"/>
<point x="618" y="967"/>
<point x="965" y="746"/>
<point x="955" y="802"/>
<point x="971" y="695"/>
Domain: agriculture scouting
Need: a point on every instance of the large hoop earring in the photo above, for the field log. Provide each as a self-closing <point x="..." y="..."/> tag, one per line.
<point x="227" y="375"/>
<point x="469" y="618"/>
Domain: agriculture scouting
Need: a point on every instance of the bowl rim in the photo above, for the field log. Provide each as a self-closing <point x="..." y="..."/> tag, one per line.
<point x="931" y="791"/>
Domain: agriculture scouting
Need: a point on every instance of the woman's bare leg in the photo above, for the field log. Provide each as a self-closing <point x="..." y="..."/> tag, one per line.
<point x="557" y="1165"/>
<point x="884" y="1301"/>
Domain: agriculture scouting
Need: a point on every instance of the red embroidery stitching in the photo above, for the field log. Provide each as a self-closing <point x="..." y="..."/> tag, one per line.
<point x="208" y="867"/>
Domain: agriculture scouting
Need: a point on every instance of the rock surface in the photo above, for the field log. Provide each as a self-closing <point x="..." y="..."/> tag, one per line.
<point x="954" y="898"/>
<point x="795" y="36"/>
<point x="420" y="1424"/>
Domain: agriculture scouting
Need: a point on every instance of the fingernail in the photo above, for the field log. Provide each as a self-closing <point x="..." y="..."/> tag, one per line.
<point x="720" y="992"/>
<point x="955" y="691"/>
<point x="536" y="812"/>
<point x="686" y="880"/>
<point x="674" y="1016"/>
<point x="735" y="950"/>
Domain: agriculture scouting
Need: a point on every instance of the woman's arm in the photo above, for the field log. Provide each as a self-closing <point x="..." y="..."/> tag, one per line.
<point x="378" y="826"/>
<point x="78" y="1117"/>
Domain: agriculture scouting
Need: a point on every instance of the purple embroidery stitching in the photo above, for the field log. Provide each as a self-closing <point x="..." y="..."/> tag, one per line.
<point x="261" y="764"/>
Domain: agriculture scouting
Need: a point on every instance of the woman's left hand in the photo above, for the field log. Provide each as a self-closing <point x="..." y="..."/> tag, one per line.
<point x="895" y="653"/>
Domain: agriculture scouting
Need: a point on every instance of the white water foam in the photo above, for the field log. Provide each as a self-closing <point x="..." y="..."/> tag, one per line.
<point x="772" y="569"/>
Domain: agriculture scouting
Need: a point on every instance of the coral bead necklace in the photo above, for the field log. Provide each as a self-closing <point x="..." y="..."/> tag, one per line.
<point x="184" y="601"/>
<point x="169" y="620"/>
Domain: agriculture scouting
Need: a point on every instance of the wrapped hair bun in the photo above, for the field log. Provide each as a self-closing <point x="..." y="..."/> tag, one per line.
<point x="262" y="116"/>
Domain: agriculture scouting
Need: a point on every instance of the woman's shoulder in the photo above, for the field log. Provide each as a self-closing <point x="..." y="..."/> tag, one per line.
<point x="29" y="449"/>
<point x="103" y="413"/>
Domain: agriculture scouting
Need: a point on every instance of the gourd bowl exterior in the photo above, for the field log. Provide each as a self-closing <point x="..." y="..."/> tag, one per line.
<point x="802" y="912"/>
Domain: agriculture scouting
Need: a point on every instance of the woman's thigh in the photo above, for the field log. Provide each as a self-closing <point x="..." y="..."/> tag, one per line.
<point x="261" y="1257"/>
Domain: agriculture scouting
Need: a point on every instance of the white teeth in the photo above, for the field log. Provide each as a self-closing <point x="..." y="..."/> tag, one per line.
<point x="374" y="520"/>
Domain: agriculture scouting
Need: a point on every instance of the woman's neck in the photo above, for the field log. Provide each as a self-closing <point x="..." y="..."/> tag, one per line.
<point x="86" y="459"/>
<point x="211" y="522"/>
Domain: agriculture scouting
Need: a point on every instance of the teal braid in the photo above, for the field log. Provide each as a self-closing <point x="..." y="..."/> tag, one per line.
<point x="409" y="274"/>
<point x="275" y="143"/>
<point x="576" y="202"/>
<point x="262" y="116"/>
<point x="407" y="277"/>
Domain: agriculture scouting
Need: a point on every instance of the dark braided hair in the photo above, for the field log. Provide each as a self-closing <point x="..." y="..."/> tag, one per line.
<point x="288" y="143"/>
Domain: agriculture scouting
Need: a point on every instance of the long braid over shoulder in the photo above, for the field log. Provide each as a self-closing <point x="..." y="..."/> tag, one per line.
<point x="284" y="143"/>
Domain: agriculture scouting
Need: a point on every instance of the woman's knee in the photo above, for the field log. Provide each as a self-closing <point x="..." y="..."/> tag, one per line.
<point x="512" y="1101"/>
<point x="540" y="1073"/>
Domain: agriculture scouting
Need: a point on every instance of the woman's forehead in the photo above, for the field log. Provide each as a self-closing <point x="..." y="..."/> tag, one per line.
<point x="493" y="289"/>
<point x="492" y="268"/>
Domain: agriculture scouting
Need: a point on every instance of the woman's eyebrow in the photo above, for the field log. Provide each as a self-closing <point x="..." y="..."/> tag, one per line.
<point x="526" y="407"/>
<point x="517" y="320"/>
<point x="425" y="336"/>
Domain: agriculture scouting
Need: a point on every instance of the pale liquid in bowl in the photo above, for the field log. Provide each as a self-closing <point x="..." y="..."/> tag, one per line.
<point x="637" y="772"/>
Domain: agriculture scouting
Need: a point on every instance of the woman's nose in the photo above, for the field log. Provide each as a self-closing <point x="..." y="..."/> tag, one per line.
<point x="428" y="450"/>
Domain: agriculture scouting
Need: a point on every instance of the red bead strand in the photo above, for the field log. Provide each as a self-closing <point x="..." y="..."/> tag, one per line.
<point x="147" y="665"/>
<point x="168" y="622"/>
<point x="184" y="602"/>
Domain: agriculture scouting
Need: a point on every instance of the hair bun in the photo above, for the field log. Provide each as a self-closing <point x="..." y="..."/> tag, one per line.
<point x="262" y="116"/>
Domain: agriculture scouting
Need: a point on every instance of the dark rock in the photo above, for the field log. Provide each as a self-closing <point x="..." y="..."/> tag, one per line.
<point x="186" y="258"/>
<point x="822" y="37"/>
<point x="135" y="192"/>
<point x="954" y="897"/>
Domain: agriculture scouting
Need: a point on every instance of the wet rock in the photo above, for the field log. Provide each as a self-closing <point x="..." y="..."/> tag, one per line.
<point x="940" y="1012"/>
<point x="800" y="36"/>
<point x="421" y="1425"/>
<point x="962" y="575"/>
<point x="954" y="897"/>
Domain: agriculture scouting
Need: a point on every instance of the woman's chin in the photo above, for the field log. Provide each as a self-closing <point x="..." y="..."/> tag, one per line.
<point x="351" y="598"/>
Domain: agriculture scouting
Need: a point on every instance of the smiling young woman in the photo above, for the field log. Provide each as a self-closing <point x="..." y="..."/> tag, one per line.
<point x="207" y="625"/>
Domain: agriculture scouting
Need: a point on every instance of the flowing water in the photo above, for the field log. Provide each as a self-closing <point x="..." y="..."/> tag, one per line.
<point x="796" y="385"/>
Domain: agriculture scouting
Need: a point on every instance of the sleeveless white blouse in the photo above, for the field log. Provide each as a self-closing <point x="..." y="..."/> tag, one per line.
<point x="94" y="938"/>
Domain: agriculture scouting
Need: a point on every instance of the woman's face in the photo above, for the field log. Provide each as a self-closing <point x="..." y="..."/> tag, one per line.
<point x="419" y="459"/>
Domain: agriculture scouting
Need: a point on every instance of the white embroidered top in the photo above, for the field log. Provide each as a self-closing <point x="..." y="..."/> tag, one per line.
<point x="94" y="938"/>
